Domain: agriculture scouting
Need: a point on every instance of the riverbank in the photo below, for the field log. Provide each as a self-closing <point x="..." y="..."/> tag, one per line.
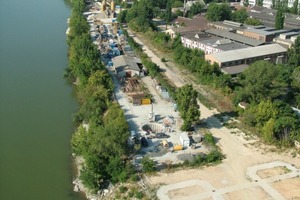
<point x="100" y="140"/>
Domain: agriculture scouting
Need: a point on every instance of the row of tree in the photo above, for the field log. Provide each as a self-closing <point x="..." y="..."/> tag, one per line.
<point x="101" y="139"/>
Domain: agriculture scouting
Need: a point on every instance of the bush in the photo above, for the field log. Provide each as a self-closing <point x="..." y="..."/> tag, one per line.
<point x="163" y="60"/>
<point x="123" y="189"/>
<point x="139" y="195"/>
<point x="209" y="139"/>
<point x="148" y="164"/>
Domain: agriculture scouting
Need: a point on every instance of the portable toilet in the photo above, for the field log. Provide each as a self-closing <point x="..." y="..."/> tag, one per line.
<point x="185" y="140"/>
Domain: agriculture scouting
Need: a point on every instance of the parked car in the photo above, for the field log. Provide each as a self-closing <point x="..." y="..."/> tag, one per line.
<point x="161" y="135"/>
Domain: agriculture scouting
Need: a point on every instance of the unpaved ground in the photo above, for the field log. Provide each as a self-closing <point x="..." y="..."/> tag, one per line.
<point x="289" y="188"/>
<point x="182" y="192"/>
<point x="266" y="173"/>
<point x="254" y="193"/>
<point x="239" y="154"/>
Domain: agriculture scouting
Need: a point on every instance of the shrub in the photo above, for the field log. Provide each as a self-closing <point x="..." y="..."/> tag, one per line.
<point x="123" y="189"/>
<point x="139" y="195"/>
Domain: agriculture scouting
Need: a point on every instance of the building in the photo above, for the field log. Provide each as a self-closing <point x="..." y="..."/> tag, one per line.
<point x="209" y="43"/>
<point x="239" y="38"/>
<point x="287" y="39"/>
<point x="269" y="3"/>
<point x="267" y="17"/>
<point x="182" y="25"/>
<point x="262" y="33"/>
<point x="126" y="66"/>
<point x="236" y="61"/>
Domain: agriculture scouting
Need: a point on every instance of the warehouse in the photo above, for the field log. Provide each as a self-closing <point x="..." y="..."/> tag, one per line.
<point x="242" y="57"/>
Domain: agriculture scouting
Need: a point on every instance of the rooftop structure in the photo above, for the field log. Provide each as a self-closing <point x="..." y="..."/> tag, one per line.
<point x="267" y="16"/>
<point x="122" y="62"/>
<point x="235" y="37"/>
<point x="239" y="58"/>
<point x="209" y="44"/>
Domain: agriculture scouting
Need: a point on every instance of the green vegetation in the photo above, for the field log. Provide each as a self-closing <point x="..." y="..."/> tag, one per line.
<point x="252" y="21"/>
<point x="102" y="144"/>
<point x="239" y="15"/>
<point x="279" y="19"/>
<point x="218" y="12"/>
<point x="186" y="98"/>
<point x="148" y="164"/>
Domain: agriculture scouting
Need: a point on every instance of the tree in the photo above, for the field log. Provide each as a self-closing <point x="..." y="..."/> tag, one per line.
<point x="239" y="15"/>
<point x="265" y="111"/>
<point x="168" y="15"/>
<point x="284" y="128"/>
<point x="122" y="16"/>
<point x="218" y="12"/>
<point x="295" y="8"/>
<point x="195" y="9"/>
<point x="246" y="3"/>
<point x="279" y="19"/>
<point x="294" y="53"/>
<point x="252" y="21"/>
<point x="257" y="82"/>
<point x="296" y="78"/>
<point x="186" y="99"/>
<point x="260" y="2"/>
<point x="268" y="130"/>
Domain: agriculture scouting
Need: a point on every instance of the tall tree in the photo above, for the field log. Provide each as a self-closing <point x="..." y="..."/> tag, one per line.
<point x="246" y="3"/>
<point x="260" y="2"/>
<point x="295" y="8"/>
<point x="186" y="98"/>
<point x="168" y="15"/>
<point x="294" y="53"/>
<point x="279" y="19"/>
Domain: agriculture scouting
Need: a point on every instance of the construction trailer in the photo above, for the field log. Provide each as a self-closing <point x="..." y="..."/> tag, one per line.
<point x="185" y="140"/>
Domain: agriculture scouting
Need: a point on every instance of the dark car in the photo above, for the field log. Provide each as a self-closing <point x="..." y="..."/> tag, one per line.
<point x="144" y="142"/>
<point x="161" y="135"/>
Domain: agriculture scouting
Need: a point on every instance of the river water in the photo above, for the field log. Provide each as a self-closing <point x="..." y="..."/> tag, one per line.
<point x="36" y="103"/>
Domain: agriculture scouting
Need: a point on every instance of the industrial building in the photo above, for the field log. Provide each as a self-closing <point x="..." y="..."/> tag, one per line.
<point x="126" y="66"/>
<point x="236" y="61"/>
<point x="209" y="43"/>
<point x="267" y="17"/>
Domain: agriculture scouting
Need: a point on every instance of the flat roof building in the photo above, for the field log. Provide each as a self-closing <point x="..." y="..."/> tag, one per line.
<point x="239" y="58"/>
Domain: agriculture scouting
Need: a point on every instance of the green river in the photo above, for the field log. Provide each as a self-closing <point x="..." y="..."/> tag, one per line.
<point x="36" y="103"/>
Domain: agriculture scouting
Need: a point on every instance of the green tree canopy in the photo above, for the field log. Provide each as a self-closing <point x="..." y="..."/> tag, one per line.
<point x="294" y="53"/>
<point x="239" y="15"/>
<point x="257" y="82"/>
<point x="218" y="12"/>
<point x="186" y="99"/>
<point x="279" y="19"/>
